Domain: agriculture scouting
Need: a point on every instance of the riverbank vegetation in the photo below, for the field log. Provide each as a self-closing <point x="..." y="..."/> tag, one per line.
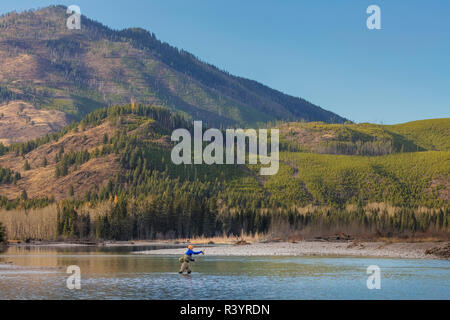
<point x="124" y="219"/>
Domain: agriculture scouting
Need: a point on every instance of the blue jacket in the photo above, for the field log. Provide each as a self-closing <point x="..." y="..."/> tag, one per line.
<point x="191" y="252"/>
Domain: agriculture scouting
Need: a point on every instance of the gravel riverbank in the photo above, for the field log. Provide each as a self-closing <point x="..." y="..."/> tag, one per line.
<point x="414" y="250"/>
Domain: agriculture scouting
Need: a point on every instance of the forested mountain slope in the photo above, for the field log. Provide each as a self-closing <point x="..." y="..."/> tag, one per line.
<point x="45" y="64"/>
<point x="121" y="156"/>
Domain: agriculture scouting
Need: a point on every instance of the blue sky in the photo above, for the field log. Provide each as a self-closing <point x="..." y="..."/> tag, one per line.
<point x="319" y="50"/>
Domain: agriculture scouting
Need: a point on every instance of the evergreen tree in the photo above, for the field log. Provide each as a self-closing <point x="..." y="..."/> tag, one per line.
<point x="2" y="233"/>
<point x="26" y="165"/>
<point x="24" y="195"/>
<point x="71" y="191"/>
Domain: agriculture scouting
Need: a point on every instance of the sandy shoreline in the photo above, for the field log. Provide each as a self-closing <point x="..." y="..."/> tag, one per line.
<point x="415" y="250"/>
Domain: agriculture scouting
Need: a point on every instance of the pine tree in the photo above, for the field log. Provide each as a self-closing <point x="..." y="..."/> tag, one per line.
<point x="105" y="138"/>
<point x="24" y="195"/>
<point x="2" y="233"/>
<point x="26" y="165"/>
<point x="71" y="191"/>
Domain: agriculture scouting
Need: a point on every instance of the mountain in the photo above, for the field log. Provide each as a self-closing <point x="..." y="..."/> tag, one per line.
<point x="85" y="151"/>
<point x="45" y="64"/>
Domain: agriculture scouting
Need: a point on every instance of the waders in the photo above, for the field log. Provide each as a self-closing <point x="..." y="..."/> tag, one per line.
<point x="185" y="264"/>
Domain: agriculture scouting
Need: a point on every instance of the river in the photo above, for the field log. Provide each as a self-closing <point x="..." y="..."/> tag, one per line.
<point x="38" y="272"/>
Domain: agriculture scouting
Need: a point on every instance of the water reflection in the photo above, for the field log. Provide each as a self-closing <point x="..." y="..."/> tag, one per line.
<point x="115" y="273"/>
<point x="92" y="259"/>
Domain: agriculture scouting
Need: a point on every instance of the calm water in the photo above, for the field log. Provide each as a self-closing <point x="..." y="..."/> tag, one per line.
<point x="115" y="273"/>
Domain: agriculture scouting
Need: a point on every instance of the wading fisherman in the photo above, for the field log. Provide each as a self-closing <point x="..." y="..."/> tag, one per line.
<point x="186" y="260"/>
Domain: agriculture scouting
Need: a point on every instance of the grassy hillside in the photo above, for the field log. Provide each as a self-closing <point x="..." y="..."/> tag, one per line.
<point x="21" y="121"/>
<point x="430" y="134"/>
<point x="110" y="176"/>
<point x="366" y="138"/>
<point x="404" y="179"/>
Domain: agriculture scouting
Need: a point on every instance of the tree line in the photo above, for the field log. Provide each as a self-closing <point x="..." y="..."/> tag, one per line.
<point x="168" y="217"/>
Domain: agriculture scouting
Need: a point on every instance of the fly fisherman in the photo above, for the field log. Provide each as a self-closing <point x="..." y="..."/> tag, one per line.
<point x="187" y="259"/>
